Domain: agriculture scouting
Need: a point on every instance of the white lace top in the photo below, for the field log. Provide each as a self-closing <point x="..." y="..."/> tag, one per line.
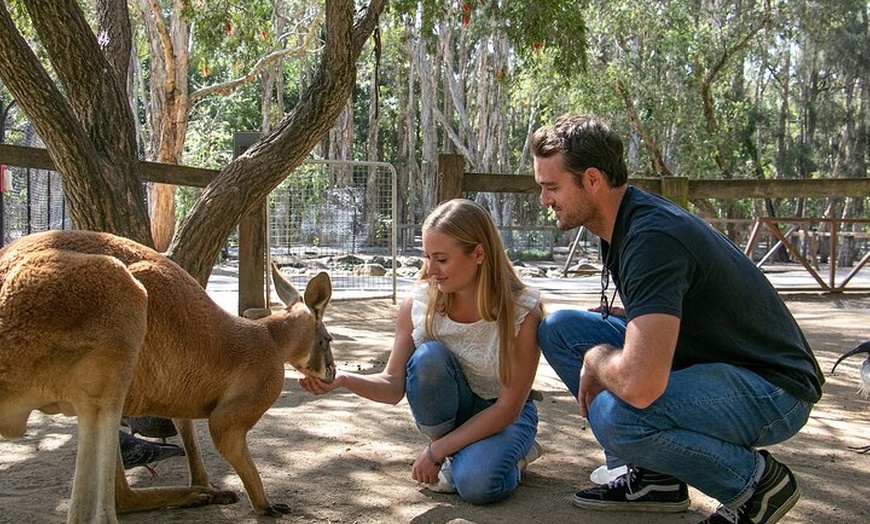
<point x="475" y="345"/>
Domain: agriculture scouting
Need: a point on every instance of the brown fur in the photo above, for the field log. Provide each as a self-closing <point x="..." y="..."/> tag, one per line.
<point x="98" y="326"/>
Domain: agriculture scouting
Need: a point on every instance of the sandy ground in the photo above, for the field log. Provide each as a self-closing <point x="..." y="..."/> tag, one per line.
<point x="340" y="459"/>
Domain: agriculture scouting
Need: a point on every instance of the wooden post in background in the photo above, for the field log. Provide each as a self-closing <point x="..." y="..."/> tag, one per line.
<point x="451" y="170"/>
<point x="676" y="189"/>
<point x="252" y="242"/>
<point x="252" y="256"/>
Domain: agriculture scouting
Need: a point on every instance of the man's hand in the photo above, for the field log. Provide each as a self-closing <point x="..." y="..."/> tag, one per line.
<point x="614" y="310"/>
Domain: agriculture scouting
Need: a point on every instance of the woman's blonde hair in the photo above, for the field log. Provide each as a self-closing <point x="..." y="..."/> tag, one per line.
<point x="469" y="224"/>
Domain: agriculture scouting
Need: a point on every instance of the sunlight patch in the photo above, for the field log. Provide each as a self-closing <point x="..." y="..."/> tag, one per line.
<point x="52" y="441"/>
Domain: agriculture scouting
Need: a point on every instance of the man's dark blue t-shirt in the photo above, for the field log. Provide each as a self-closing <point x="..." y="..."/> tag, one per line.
<point x="666" y="260"/>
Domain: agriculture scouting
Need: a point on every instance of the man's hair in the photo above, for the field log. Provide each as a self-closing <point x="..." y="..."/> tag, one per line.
<point x="584" y="142"/>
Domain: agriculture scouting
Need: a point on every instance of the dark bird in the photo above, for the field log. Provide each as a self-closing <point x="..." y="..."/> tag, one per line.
<point x="151" y="427"/>
<point x="140" y="452"/>
<point x="864" y="388"/>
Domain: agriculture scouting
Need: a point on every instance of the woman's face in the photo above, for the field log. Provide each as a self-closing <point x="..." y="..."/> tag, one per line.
<point x="449" y="266"/>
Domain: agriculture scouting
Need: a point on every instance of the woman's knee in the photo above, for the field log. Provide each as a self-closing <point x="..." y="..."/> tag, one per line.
<point x="479" y="488"/>
<point x="487" y="471"/>
<point x="427" y="363"/>
<point x="431" y="352"/>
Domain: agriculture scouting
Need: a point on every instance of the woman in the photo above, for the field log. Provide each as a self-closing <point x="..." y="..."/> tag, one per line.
<point x="465" y="354"/>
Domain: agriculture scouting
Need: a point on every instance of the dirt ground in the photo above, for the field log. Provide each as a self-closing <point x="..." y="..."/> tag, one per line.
<point x="340" y="459"/>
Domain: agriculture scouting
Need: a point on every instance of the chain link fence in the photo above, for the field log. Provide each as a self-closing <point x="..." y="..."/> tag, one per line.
<point x="31" y="200"/>
<point x="335" y="216"/>
<point x="339" y="217"/>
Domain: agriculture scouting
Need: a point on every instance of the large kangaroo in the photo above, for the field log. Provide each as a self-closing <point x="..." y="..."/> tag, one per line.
<point x="99" y="326"/>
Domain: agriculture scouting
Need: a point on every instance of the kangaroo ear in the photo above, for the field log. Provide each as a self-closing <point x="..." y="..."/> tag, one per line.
<point x="285" y="289"/>
<point x="317" y="293"/>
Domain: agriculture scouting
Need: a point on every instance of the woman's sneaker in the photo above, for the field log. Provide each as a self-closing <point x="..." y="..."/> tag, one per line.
<point x="445" y="479"/>
<point x="637" y="490"/>
<point x="776" y="494"/>
<point x="603" y="475"/>
<point x="535" y="452"/>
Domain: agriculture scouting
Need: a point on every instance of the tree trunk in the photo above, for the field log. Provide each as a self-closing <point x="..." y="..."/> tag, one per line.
<point x="170" y="106"/>
<point x="88" y="129"/>
<point x="90" y="136"/>
<point x="374" y="185"/>
<point x="249" y="178"/>
<point x="408" y="169"/>
<point x="428" y="131"/>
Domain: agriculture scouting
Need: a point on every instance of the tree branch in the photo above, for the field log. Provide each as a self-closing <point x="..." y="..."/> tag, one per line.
<point x="464" y="149"/>
<point x="152" y="17"/>
<point x="115" y="35"/>
<point x="46" y="107"/>
<point x="366" y="24"/>
<point x="264" y="62"/>
<point x="651" y="146"/>
<point x="84" y="70"/>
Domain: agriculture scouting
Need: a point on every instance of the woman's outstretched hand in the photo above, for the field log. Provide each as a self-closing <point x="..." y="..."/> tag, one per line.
<point x="317" y="386"/>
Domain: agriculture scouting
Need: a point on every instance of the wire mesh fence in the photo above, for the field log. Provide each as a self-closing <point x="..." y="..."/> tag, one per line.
<point x="32" y="200"/>
<point x="339" y="217"/>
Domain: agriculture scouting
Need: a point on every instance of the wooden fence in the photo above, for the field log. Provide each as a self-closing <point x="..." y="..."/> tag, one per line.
<point x="452" y="182"/>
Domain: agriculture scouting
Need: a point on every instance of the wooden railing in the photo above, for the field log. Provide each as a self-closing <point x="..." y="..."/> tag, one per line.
<point x="829" y="229"/>
<point x="453" y="181"/>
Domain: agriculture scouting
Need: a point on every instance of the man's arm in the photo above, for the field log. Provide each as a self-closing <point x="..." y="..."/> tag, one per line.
<point x="638" y="373"/>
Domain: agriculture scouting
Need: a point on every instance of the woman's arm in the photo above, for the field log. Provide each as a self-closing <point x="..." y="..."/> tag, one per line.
<point x="388" y="386"/>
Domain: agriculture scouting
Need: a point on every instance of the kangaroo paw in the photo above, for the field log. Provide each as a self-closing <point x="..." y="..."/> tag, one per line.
<point x="275" y="510"/>
<point x="224" y="496"/>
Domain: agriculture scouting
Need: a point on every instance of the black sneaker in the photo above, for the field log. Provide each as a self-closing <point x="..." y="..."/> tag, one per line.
<point x="637" y="490"/>
<point x="777" y="492"/>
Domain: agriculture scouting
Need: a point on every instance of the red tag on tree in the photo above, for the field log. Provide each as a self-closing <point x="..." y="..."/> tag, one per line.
<point x="5" y="179"/>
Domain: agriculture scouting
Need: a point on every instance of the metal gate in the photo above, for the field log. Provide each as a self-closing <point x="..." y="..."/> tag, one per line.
<point x="340" y="217"/>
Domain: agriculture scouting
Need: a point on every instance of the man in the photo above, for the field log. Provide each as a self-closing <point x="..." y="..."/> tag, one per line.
<point x="704" y="364"/>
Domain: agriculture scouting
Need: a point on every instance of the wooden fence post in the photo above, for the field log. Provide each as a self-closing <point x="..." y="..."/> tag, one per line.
<point x="252" y="253"/>
<point x="451" y="170"/>
<point x="676" y="189"/>
<point x="252" y="241"/>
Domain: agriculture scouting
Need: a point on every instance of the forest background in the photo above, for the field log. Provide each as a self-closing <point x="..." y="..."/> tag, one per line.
<point x="765" y="89"/>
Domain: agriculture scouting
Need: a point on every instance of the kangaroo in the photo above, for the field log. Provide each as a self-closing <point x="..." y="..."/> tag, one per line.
<point x="98" y="326"/>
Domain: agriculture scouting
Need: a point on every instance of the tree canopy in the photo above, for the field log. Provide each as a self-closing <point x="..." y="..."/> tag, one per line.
<point x="88" y="126"/>
<point x="766" y="89"/>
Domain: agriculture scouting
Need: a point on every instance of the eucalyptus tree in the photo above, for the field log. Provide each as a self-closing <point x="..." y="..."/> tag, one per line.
<point x="87" y="123"/>
<point x="197" y="51"/>
<point x="833" y="71"/>
<point x="466" y="61"/>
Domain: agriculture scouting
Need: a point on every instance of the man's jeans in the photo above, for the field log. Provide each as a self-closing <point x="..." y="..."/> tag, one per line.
<point x="702" y="430"/>
<point x="441" y="400"/>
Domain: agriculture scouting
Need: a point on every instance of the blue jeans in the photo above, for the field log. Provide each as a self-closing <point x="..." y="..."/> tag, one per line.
<point x="702" y="430"/>
<point x="441" y="400"/>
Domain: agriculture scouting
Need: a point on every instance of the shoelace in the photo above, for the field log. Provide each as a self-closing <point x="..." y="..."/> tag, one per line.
<point x="626" y="479"/>
<point x="731" y="515"/>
